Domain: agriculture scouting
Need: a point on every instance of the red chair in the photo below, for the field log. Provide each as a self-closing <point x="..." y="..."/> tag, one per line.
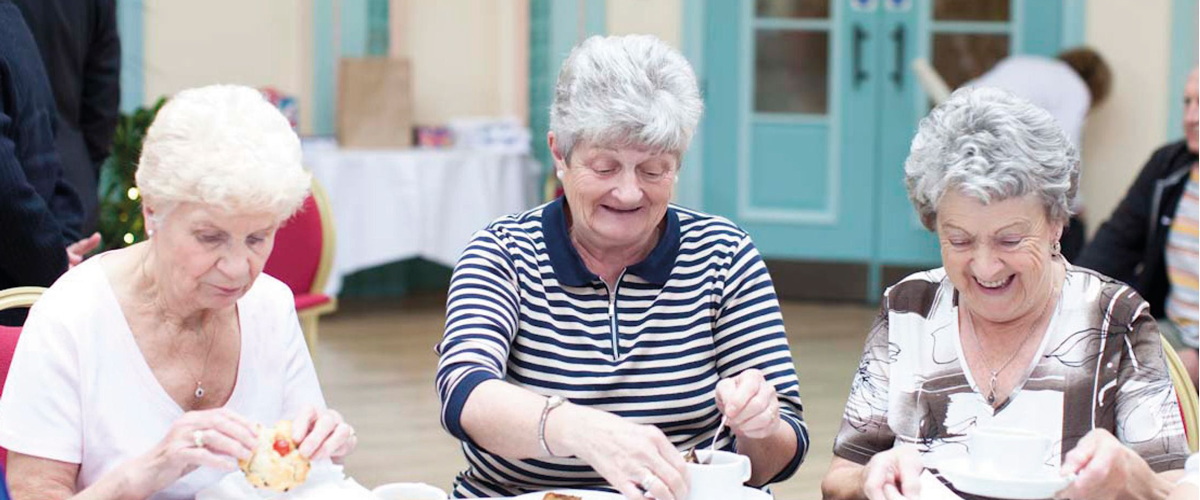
<point x="302" y="258"/>
<point x="12" y="298"/>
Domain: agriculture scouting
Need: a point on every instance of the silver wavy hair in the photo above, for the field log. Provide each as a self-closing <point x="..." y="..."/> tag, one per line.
<point x="622" y="91"/>
<point x="991" y="145"/>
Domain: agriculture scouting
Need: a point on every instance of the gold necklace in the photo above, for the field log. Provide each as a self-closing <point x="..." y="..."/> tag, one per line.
<point x="991" y="398"/>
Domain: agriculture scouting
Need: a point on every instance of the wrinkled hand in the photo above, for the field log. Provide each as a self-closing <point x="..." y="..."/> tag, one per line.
<point x="750" y="404"/>
<point x="224" y="436"/>
<point x="633" y="458"/>
<point x="893" y="474"/>
<point x="1105" y="468"/>
<point x="323" y="434"/>
<point x="78" y="250"/>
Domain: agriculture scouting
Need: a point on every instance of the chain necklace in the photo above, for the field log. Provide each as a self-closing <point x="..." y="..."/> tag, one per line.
<point x="212" y="335"/>
<point x="199" y="392"/>
<point x="991" y="398"/>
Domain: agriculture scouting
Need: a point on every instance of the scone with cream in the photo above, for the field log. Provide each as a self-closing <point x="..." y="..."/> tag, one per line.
<point x="276" y="462"/>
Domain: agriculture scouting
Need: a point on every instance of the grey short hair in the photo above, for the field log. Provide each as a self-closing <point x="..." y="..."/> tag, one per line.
<point x="991" y="145"/>
<point x="223" y="146"/>
<point x="620" y="91"/>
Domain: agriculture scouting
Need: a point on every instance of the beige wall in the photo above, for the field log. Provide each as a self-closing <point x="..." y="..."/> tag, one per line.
<point x="1120" y="135"/>
<point x="661" y="18"/>
<point x="469" y="57"/>
<point x="189" y="44"/>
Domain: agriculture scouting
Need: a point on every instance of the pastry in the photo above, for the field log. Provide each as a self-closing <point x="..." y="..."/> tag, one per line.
<point x="276" y="462"/>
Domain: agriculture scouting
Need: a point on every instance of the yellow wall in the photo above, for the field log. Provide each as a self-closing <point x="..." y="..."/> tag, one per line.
<point x="1120" y="134"/>
<point x="469" y="57"/>
<point x="661" y="18"/>
<point x="258" y="43"/>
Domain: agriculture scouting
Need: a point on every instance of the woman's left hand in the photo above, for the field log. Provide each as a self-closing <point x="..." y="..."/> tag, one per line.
<point x="1107" y="469"/>
<point x="749" y="404"/>
<point x="323" y="434"/>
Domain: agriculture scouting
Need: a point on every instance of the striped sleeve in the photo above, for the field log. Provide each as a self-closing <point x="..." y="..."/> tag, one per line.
<point x="749" y="333"/>
<point x="481" y="320"/>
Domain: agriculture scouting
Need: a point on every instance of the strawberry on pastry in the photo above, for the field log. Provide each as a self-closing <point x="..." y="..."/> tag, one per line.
<point x="276" y="462"/>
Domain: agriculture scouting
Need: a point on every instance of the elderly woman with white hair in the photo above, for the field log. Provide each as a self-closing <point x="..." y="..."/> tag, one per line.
<point x="141" y="372"/>
<point x="1007" y="335"/>
<point x="590" y="340"/>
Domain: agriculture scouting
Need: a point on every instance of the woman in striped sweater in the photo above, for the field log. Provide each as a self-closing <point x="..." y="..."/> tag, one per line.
<point x="590" y="340"/>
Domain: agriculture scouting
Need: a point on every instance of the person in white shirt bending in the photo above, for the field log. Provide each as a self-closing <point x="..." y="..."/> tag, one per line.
<point x="141" y="372"/>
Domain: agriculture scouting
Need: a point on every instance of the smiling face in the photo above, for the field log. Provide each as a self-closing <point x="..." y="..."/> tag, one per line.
<point x="208" y="258"/>
<point x="998" y="255"/>
<point x="617" y="197"/>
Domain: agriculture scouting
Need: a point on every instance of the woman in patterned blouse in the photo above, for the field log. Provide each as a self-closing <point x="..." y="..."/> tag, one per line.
<point x="1007" y="333"/>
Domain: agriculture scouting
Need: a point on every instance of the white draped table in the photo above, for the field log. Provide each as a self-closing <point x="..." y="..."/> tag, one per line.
<point x="392" y="205"/>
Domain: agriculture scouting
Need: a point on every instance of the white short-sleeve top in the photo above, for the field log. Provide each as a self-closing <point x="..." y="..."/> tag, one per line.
<point x="79" y="390"/>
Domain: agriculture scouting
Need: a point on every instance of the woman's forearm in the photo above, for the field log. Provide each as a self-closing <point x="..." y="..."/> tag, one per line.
<point x="503" y="419"/>
<point x="768" y="456"/>
<point x="843" y="481"/>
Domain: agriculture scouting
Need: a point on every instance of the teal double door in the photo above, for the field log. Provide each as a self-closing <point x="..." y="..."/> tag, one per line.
<point x="812" y="106"/>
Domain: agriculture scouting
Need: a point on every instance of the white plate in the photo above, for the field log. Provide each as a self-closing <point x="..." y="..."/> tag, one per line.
<point x="748" y="493"/>
<point x="964" y="478"/>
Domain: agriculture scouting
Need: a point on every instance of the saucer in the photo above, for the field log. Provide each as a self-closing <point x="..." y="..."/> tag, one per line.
<point x="1033" y="487"/>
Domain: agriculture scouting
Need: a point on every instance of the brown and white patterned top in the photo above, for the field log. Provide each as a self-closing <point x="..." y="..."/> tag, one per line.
<point x="1099" y="365"/>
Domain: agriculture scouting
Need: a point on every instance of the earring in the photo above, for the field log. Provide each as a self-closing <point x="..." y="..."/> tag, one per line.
<point x="1056" y="249"/>
<point x="559" y="174"/>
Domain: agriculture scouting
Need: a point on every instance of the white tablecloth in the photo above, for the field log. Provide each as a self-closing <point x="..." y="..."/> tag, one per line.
<point x="391" y="205"/>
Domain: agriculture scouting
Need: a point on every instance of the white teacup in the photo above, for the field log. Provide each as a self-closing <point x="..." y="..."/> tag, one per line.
<point x="719" y="475"/>
<point x="1007" y="452"/>
<point x="409" y="491"/>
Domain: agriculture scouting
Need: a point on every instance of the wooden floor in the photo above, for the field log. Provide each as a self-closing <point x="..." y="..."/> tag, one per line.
<point x="376" y="364"/>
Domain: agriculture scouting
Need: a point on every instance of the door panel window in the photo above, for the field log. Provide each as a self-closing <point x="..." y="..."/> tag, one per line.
<point x="791" y="71"/>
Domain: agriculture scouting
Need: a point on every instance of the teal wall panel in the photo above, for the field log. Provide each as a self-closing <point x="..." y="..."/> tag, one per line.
<point x="1184" y="17"/>
<point x="130" y="27"/>
<point x="353" y="27"/>
<point x="780" y="178"/>
<point x="1040" y="23"/>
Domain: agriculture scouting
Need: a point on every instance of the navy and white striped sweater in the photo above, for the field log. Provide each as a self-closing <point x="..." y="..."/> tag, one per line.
<point x="524" y="309"/>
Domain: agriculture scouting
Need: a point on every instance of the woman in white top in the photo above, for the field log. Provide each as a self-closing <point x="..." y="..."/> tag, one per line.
<point x="142" y="371"/>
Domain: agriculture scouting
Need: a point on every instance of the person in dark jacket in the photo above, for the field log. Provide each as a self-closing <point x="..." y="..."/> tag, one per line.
<point x="1150" y="241"/>
<point x="81" y="52"/>
<point x="39" y="212"/>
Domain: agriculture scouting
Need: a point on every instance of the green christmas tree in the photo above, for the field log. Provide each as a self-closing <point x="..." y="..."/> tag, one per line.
<point x="121" y="222"/>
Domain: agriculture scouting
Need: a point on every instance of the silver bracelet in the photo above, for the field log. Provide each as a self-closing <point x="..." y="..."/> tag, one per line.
<point x="552" y="402"/>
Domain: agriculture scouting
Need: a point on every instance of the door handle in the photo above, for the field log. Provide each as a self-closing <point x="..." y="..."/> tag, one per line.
<point x="899" y="46"/>
<point x="860" y="74"/>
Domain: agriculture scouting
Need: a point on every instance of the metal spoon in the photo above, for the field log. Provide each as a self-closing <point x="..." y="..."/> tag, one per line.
<point x="715" y="435"/>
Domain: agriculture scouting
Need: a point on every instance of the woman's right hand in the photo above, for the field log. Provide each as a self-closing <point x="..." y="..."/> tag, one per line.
<point x="209" y="438"/>
<point x="634" y="458"/>
<point x="893" y="474"/>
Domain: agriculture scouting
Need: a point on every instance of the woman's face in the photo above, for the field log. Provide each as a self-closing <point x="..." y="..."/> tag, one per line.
<point x="997" y="255"/>
<point x="208" y="258"/>
<point x="617" y="197"/>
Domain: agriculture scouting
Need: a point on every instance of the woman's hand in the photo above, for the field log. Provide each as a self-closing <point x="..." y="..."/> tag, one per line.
<point x="893" y="474"/>
<point x="210" y="438"/>
<point x="749" y="404"/>
<point x="1107" y="469"/>
<point x="323" y="434"/>
<point x="638" y="460"/>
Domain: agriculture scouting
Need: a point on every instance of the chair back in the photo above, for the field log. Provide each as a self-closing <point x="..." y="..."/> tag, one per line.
<point x="12" y="298"/>
<point x="303" y="252"/>
<point x="1185" y="391"/>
